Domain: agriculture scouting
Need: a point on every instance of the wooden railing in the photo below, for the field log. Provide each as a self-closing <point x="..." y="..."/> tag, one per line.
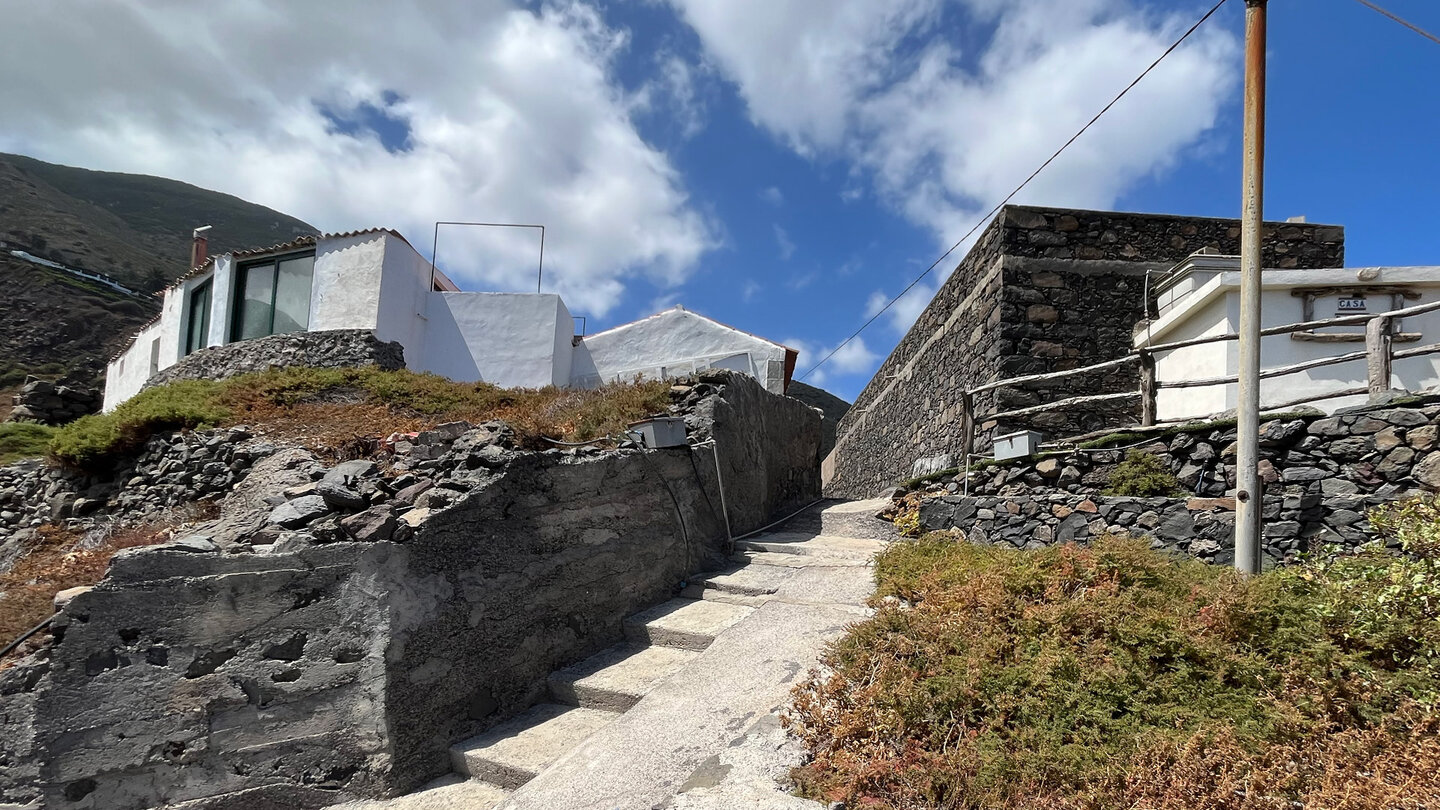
<point x="1379" y="354"/>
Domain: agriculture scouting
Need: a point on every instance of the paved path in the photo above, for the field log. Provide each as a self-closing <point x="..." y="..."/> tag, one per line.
<point x="684" y="714"/>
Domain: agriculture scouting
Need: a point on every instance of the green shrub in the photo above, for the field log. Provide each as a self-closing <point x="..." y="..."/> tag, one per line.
<point x="1142" y="475"/>
<point x="21" y="440"/>
<point x="1117" y="676"/>
<point x="94" y="441"/>
<point x="328" y="406"/>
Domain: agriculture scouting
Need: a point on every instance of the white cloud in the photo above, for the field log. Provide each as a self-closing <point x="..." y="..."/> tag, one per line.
<point x="943" y="134"/>
<point x="854" y="358"/>
<point x="786" y="244"/>
<point x="674" y="94"/>
<point x="514" y="115"/>
<point x="749" y="290"/>
<point x="772" y="195"/>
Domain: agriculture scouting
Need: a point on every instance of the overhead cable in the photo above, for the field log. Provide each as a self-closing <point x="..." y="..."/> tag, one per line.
<point x="1412" y="26"/>
<point x="983" y="220"/>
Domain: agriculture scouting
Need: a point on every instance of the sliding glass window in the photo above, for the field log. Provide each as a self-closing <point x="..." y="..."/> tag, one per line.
<point x="272" y="297"/>
<point x="197" y="331"/>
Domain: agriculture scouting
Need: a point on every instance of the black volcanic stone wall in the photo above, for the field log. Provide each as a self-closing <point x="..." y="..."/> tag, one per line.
<point x="1043" y="290"/>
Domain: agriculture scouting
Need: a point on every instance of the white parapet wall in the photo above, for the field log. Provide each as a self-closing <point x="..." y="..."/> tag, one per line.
<point x="513" y="340"/>
<point x="674" y="343"/>
<point x="1209" y="304"/>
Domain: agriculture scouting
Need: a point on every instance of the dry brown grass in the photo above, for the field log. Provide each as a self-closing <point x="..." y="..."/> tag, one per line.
<point x="56" y="562"/>
<point x="322" y="408"/>
<point x="1116" y="677"/>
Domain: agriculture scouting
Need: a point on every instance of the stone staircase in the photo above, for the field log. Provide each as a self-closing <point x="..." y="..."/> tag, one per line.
<point x="816" y="567"/>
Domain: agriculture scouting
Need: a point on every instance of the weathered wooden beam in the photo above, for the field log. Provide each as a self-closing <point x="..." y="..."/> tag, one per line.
<point x="1054" y="375"/>
<point x="1343" y="320"/>
<point x="967" y="426"/>
<point x="1278" y="371"/>
<point x="1416" y="351"/>
<point x="1064" y="403"/>
<point x="1290" y="403"/>
<point x="1148" y="391"/>
<point x="1377" y="355"/>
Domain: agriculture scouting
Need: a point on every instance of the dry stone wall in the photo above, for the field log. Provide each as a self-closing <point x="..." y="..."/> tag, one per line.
<point x="1321" y="474"/>
<point x="371" y="616"/>
<point x="1042" y="290"/>
<point x="51" y="403"/>
<point x="324" y="349"/>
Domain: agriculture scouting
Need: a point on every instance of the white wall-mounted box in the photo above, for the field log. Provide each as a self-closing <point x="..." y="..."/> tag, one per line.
<point x="660" y="431"/>
<point x="1017" y="445"/>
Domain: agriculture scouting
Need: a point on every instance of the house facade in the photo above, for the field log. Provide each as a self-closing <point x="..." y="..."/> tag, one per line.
<point x="374" y="281"/>
<point x="1201" y="298"/>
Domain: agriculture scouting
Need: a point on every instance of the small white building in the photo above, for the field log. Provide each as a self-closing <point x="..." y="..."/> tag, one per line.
<point x="1201" y="298"/>
<point x="374" y="280"/>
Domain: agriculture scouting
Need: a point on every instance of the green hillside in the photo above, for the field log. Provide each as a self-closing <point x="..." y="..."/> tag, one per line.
<point x="133" y="227"/>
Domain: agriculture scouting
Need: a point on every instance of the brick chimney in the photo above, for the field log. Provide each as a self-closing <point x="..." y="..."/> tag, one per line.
<point x="199" y="246"/>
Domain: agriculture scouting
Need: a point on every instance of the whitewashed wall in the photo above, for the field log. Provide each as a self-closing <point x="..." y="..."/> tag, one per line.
<point x="346" y="289"/>
<point x="672" y="343"/>
<point x="1216" y="308"/>
<point x="508" y="339"/>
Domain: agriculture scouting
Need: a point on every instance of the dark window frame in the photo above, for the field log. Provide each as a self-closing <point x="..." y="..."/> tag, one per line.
<point x="208" y="288"/>
<point x="237" y="297"/>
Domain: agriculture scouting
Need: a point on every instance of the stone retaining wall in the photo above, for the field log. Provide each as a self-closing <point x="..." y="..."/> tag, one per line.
<point x="1043" y="290"/>
<point x="326" y="349"/>
<point x="52" y="403"/>
<point x="1320" y="473"/>
<point x="377" y="616"/>
<point x="1201" y="527"/>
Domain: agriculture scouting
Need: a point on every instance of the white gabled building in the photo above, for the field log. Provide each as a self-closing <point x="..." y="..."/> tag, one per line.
<point x="1201" y="298"/>
<point x="374" y="280"/>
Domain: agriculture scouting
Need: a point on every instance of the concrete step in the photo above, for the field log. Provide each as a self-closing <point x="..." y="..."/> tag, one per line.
<point x="789" y="560"/>
<point x="821" y="545"/>
<point x="453" y="792"/>
<point x="740" y="584"/>
<point x="685" y="623"/>
<point x="857" y="519"/>
<point x="652" y="751"/>
<point x="615" y="679"/>
<point x="514" y="752"/>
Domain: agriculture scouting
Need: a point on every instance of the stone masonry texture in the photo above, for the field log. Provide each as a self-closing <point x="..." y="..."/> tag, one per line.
<point x="324" y="349"/>
<point x="382" y="613"/>
<point x="1321" y="475"/>
<point x="1042" y="290"/>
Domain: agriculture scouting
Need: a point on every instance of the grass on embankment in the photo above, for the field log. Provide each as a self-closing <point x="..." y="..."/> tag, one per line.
<point x="1118" y="677"/>
<point x="328" y="407"/>
<point x="22" y="440"/>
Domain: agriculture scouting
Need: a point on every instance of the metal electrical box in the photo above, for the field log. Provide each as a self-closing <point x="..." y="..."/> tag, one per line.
<point x="1017" y="445"/>
<point x="660" y="431"/>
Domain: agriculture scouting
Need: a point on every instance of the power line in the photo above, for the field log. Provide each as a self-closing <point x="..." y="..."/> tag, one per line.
<point x="983" y="220"/>
<point x="1412" y="26"/>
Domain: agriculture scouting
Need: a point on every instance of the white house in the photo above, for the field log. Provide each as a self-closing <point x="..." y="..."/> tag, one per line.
<point x="374" y="280"/>
<point x="1201" y="298"/>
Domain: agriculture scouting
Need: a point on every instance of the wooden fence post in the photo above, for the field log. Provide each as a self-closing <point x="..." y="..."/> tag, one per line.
<point x="967" y="427"/>
<point x="1148" y="415"/>
<point x="1377" y="354"/>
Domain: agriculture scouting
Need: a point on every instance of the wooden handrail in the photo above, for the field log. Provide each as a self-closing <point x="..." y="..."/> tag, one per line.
<point x="1054" y="375"/>
<point x="1342" y="320"/>
<point x="1378" y="371"/>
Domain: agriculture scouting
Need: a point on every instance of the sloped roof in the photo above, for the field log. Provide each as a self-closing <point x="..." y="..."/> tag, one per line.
<point x="293" y="244"/>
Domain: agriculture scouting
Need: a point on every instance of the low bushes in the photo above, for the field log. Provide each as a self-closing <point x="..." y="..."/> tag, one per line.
<point x="21" y="440"/>
<point x="327" y="407"/>
<point x="1142" y="475"/>
<point x="1116" y="676"/>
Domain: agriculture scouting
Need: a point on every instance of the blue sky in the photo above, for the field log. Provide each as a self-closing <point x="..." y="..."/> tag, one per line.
<point x="780" y="165"/>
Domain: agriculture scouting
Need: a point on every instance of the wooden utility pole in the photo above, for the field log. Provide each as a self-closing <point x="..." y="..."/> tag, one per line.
<point x="1249" y="491"/>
